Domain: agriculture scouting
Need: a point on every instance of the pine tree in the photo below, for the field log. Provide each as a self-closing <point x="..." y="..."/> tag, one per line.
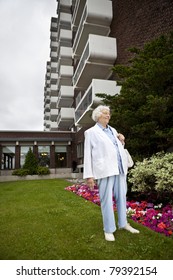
<point x="143" y="111"/>
<point x="31" y="163"/>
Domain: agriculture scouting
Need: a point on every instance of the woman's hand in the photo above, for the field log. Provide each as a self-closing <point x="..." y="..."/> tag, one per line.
<point x="121" y="138"/>
<point x="90" y="182"/>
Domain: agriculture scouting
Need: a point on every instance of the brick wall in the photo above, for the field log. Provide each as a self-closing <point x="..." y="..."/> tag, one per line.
<point x="136" y="22"/>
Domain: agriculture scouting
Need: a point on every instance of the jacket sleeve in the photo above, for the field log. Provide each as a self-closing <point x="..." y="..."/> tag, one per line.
<point x="88" y="171"/>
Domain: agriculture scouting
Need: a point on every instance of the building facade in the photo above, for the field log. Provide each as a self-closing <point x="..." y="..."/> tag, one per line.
<point x="87" y="38"/>
<point x="52" y="149"/>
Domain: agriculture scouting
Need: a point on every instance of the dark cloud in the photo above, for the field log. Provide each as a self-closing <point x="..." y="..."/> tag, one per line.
<point x="24" y="50"/>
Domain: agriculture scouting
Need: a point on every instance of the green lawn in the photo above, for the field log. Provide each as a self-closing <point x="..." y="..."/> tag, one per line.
<point x="39" y="220"/>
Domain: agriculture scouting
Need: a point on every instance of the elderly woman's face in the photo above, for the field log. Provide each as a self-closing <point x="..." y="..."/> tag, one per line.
<point x="105" y="117"/>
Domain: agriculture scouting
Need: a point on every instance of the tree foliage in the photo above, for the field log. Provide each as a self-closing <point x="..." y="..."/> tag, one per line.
<point x="143" y="111"/>
<point x="31" y="163"/>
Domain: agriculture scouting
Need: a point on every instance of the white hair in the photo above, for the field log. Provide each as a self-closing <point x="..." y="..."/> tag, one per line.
<point x="98" y="111"/>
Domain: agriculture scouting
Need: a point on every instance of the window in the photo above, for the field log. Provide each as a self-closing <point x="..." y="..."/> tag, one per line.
<point x="60" y="156"/>
<point x="8" y="157"/>
<point x="44" y="156"/>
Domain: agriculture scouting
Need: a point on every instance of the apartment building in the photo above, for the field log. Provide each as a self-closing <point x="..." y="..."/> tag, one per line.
<point x="87" y="37"/>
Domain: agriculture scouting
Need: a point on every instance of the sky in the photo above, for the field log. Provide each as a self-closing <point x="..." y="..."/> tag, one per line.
<point x="24" y="52"/>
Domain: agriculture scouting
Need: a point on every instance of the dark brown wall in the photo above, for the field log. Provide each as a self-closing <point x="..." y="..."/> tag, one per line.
<point x="136" y="22"/>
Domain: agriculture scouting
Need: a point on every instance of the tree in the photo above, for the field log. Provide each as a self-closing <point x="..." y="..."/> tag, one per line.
<point x="143" y="111"/>
<point x="31" y="163"/>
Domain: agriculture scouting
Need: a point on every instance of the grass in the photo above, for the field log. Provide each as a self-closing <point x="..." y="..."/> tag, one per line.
<point x="39" y="220"/>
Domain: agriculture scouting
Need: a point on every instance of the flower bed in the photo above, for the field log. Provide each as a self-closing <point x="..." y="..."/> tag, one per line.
<point x="156" y="217"/>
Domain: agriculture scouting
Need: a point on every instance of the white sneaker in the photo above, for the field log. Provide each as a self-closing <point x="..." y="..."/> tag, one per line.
<point x="109" y="236"/>
<point x="131" y="229"/>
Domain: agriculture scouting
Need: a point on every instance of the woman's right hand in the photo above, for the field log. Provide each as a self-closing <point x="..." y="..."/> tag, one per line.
<point x="90" y="182"/>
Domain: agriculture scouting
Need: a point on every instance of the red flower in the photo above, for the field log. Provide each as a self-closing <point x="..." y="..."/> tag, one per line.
<point x="161" y="225"/>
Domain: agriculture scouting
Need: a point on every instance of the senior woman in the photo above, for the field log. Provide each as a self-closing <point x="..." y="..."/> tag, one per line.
<point x="106" y="161"/>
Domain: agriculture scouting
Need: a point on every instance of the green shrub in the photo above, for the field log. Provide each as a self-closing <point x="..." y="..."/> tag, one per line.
<point x="43" y="170"/>
<point x="153" y="174"/>
<point x="20" y="172"/>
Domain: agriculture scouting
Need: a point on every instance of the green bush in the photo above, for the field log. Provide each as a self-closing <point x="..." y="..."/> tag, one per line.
<point x="20" y="172"/>
<point x="43" y="170"/>
<point x="153" y="174"/>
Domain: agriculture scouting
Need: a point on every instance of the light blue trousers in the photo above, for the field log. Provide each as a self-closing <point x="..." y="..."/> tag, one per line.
<point x="113" y="186"/>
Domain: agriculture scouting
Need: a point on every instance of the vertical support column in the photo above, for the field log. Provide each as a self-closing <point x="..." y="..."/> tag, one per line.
<point x="17" y="156"/>
<point x="52" y="155"/>
<point x="69" y="155"/>
<point x="35" y="149"/>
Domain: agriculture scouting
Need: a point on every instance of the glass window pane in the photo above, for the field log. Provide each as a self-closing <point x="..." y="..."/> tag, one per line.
<point x="60" y="149"/>
<point x="44" y="155"/>
<point x="8" y="157"/>
<point x="61" y="156"/>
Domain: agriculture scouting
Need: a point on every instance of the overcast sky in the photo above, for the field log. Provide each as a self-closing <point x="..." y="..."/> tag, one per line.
<point x="24" y="51"/>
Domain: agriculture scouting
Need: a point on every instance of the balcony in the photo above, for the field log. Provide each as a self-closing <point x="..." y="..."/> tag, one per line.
<point x="47" y="108"/>
<point x="65" y="97"/>
<point x="53" y="56"/>
<point x="64" y="6"/>
<point x="54" y="77"/>
<point x="93" y="21"/>
<point x="64" y="20"/>
<point x="48" y="66"/>
<point x="53" y="36"/>
<point x="89" y="101"/>
<point x="47" y="115"/>
<point x="65" y="118"/>
<point x="53" y="66"/>
<point x="46" y="125"/>
<point x="53" y="26"/>
<point x="53" y="102"/>
<point x="64" y="37"/>
<point x="47" y="99"/>
<point x="78" y="9"/>
<point x="65" y="76"/>
<point x="96" y="61"/>
<point x="53" y="114"/>
<point x="53" y="87"/>
<point x="53" y="45"/>
<point x="53" y="126"/>
<point x="64" y="56"/>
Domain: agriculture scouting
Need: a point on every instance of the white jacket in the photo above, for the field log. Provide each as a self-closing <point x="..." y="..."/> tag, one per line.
<point x="100" y="155"/>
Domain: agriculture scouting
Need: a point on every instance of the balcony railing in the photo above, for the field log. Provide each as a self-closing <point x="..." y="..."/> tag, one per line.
<point x="93" y="21"/>
<point x="65" y="118"/>
<point x="53" y="36"/>
<point x="64" y="56"/>
<point x="64" y="20"/>
<point x="65" y="97"/>
<point x="53" y="126"/>
<point x="64" y="6"/>
<point x="53" y="114"/>
<point x="96" y="61"/>
<point x="90" y="99"/>
<point x="78" y="9"/>
<point x="65" y="36"/>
